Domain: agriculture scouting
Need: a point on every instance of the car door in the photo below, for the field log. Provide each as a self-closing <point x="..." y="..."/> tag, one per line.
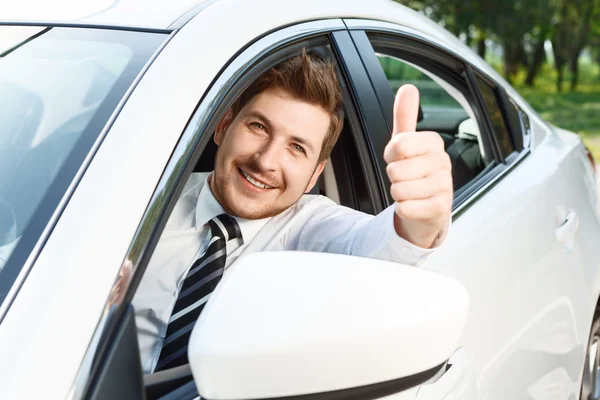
<point x="351" y="181"/>
<point x="514" y="241"/>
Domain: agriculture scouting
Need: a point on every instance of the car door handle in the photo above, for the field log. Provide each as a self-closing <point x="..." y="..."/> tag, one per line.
<point x="568" y="227"/>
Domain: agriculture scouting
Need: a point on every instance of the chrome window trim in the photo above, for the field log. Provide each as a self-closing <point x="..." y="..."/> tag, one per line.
<point x="391" y="28"/>
<point x="191" y="134"/>
<point x="12" y="293"/>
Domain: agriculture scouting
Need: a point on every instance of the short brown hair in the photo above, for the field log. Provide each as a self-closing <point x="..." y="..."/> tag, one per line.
<point x="307" y="77"/>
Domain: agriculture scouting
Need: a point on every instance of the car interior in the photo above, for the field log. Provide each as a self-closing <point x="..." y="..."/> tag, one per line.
<point x="444" y="110"/>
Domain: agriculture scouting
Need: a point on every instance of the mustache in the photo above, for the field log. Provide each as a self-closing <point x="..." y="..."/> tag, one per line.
<point x="255" y="170"/>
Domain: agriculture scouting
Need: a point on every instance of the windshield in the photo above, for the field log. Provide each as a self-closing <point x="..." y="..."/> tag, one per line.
<point x="58" y="89"/>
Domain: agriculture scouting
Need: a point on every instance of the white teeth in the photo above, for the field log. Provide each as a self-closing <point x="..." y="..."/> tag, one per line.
<point x="255" y="182"/>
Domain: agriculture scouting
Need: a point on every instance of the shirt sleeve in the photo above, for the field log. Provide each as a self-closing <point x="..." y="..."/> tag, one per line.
<point x="337" y="229"/>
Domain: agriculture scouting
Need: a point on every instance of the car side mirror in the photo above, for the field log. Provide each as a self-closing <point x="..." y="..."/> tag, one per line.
<point x="295" y="323"/>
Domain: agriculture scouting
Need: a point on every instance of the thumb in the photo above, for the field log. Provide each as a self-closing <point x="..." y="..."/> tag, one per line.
<point x="406" y="109"/>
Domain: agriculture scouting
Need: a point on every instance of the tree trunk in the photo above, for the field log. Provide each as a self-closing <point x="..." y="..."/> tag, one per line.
<point x="468" y="39"/>
<point x="508" y="69"/>
<point x="559" y="58"/>
<point x="574" y="67"/>
<point x="560" y="45"/>
<point x="559" y="78"/>
<point x="512" y="57"/>
<point x="539" y="56"/>
<point x="481" y="47"/>
<point x="522" y="55"/>
<point x="580" y="41"/>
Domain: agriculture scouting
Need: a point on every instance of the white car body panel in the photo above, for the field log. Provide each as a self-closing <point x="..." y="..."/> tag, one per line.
<point x="146" y="14"/>
<point x="531" y="301"/>
<point x="547" y="294"/>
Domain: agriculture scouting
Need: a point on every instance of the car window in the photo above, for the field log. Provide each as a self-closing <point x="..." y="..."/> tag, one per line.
<point x="58" y="88"/>
<point x="493" y="108"/>
<point x="446" y="111"/>
<point x="401" y="72"/>
<point x="345" y="180"/>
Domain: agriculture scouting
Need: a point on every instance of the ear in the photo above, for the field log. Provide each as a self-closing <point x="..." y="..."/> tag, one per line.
<point x="222" y="127"/>
<point x="315" y="176"/>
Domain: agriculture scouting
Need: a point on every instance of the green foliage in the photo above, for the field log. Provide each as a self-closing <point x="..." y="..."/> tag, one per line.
<point x="576" y="111"/>
<point x="523" y="28"/>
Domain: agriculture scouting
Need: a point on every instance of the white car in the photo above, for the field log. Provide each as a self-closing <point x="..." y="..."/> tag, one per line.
<point x="106" y="107"/>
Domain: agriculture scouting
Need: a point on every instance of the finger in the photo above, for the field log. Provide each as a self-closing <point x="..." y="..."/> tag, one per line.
<point x="412" y="144"/>
<point x="406" y="109"/>
<point x="418" y="167"/>
<point x="428" y="209"/>
<point x="421" y="188"/>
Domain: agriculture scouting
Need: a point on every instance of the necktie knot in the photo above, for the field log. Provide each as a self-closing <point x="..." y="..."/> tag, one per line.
<point x="225" y="227"/>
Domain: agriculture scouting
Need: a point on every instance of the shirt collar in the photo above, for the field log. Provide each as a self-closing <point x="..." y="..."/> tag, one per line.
<point x="208" y="207"/>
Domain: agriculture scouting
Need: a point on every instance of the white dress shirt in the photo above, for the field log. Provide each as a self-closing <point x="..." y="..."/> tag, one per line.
<point x="313" y="223"/>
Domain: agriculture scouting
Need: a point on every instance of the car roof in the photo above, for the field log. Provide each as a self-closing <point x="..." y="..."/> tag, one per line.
<point x="169" y="14"/>
<point x="148" y="14"/>
<point x="172" y="14"/>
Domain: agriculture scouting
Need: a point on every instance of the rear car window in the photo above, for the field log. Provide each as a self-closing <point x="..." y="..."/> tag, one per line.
<point x="499" y="126"/>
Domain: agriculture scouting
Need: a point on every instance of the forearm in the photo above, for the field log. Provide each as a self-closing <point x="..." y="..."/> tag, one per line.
<point x="346" y="231"/>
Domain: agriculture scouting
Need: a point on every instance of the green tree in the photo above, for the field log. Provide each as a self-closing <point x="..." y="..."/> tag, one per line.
<point x="508" y="22"/>
<point x="571" y="34"/>
<point x="536" y="39"/>
<point x="523" y="27"/>
<point x="595" y="36"/>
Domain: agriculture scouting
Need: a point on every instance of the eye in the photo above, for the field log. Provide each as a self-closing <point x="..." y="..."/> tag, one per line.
<point x="258" y="125"/>
<point x="298" y="148"/>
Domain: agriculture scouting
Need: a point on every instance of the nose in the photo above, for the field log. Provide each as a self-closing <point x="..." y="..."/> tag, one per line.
<point x="267" y="157"/>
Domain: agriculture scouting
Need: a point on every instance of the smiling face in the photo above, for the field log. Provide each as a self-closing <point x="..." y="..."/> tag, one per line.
<point x="268" y="154"/>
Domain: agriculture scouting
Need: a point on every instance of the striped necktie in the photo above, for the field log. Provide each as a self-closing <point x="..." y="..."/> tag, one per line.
<point x="202" y="278"/>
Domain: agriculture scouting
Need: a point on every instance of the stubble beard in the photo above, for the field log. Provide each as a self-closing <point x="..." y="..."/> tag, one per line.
<point x="224" y="192"/>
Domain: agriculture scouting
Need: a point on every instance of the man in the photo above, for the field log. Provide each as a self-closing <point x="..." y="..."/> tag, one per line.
<point x="273" y="145"/>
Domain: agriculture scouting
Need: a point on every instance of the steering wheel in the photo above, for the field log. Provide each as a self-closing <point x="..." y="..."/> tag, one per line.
<point x="8" y="223"/>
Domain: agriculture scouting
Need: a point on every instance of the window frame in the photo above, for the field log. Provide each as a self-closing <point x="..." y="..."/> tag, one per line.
<point x="235" y="77"/>
<point x="425" y="48"/>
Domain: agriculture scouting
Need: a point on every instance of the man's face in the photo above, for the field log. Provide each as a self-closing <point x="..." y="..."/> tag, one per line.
<point x="268" y="155"/>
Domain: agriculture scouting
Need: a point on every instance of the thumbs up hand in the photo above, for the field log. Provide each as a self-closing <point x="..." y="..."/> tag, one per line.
<point x="420" y="173"/>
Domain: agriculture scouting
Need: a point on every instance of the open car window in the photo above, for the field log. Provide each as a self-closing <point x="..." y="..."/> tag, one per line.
<point x="345" y="180"/>
<point x="446" y="111"/>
